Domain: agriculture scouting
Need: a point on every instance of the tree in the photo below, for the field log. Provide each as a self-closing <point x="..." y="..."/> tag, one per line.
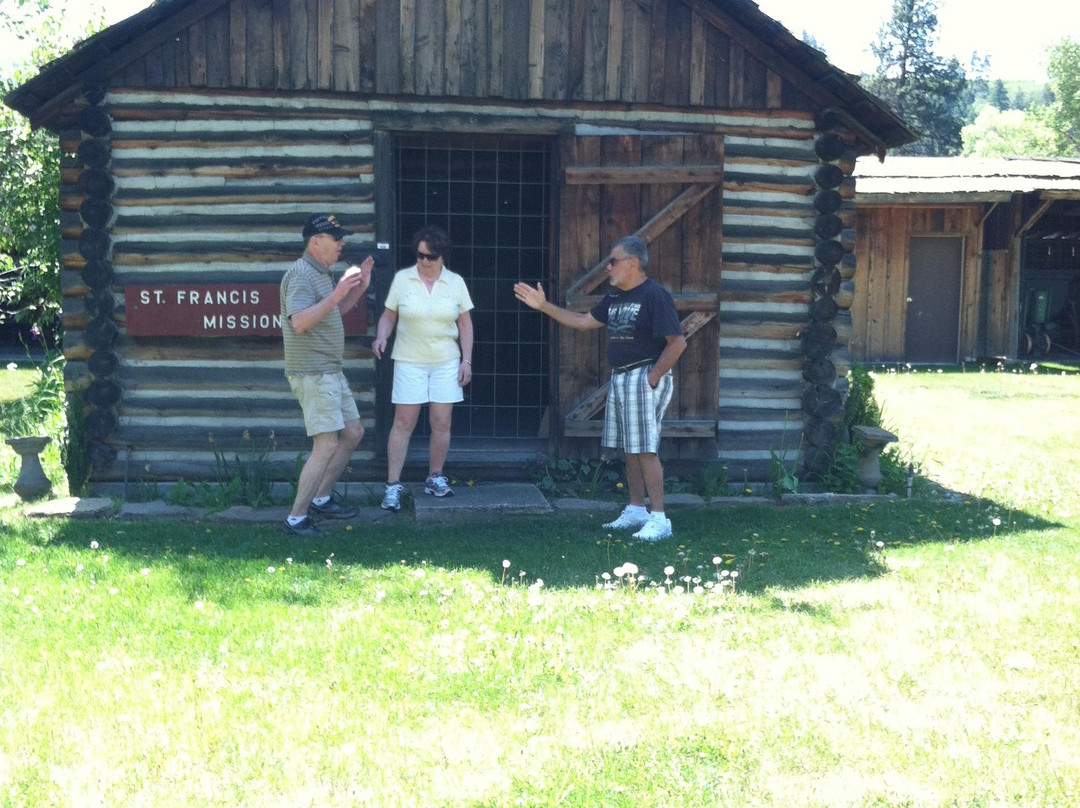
<point x="924" y="89"/>
<point x="1063" y="115"/>
<point x="1009" y="133"/>
<point x="30" y="177"/>
<point x="999" y="96"/>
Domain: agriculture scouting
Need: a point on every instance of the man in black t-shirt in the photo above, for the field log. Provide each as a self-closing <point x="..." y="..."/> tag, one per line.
<point x="645" y="340"/>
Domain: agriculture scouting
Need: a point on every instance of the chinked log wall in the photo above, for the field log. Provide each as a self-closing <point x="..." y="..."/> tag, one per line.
<point x="210" y="188"/>
<point x="197" y="191"/>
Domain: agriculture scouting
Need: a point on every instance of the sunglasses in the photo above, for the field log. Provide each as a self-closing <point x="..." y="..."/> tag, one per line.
<point x="423" y="256"/>
<point x="613" y="260"/>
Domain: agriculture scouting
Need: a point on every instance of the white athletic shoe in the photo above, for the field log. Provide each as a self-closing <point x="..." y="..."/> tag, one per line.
<point x="656" y="528"/>
<point x="629" y="519"/>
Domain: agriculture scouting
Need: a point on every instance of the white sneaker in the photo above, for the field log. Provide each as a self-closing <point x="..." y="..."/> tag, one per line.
<point x="656" y="528"/>
<point x="629" y="519"/>
<point x="392" y="499"/>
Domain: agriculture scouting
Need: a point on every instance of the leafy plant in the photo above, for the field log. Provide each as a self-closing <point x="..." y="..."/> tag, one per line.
<point x="39" y="412"/>
<point x="862" y="407"/>
<point x="74" y="456"/>
<point x="841" y="476"/>
<point x="584" y="478"/>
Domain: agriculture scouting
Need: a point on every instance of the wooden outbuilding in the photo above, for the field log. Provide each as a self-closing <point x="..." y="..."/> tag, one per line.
<point x="200" y="133"/>
<point x="966" y="259"/>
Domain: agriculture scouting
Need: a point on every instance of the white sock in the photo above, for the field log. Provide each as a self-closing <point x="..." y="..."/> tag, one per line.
<point x="659" y="514"/>
<point x="320" y="501"/>
<point x="295" y="520"/>
<point x="636" y="510"/>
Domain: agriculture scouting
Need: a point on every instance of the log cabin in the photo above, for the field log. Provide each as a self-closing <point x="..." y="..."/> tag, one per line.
<point x="198" y="134"/>
<point x="966" y="259"/>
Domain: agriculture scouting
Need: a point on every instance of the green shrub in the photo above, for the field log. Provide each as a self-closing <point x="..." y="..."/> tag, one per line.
<point x="584" y="478"/>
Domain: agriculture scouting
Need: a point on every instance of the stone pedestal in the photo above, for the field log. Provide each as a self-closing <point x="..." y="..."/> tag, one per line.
<point x="872" y="440"/>
<point x="32" y="482"/>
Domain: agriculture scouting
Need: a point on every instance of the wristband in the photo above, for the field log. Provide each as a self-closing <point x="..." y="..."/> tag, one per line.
<point x="466" y="362"/>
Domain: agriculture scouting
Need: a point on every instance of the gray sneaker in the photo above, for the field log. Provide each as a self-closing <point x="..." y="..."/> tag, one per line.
<point x="438" y="486"/>
<point x="391" y="500"/>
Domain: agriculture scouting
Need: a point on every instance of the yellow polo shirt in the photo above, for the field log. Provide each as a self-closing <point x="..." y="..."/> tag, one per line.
<point x="427" y="332"/>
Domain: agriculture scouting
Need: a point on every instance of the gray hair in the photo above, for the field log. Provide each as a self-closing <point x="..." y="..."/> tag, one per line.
<point x="635" y="247"/>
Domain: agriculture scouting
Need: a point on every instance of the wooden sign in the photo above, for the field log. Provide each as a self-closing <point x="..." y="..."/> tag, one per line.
<point x="214" y="310"/>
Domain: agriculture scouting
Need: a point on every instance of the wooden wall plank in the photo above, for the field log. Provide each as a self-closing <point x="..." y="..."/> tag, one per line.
<point x="409" y="68"/>
<point x="774" y="90"/>
<point x="515" y="57"/>
<point x="282" y="30"/>
<point x="676" y="59"/>
<point x="657" y="51"/>
<point x="388" y="47"/>
<point x="366" y="48"/>
<point x="452" y="48"/>
<point x="259" y="19"/>
<point x="496" y="46"/>
<point x="616" y="34"/>
<point x="237" y="43"/>
<point x="430" y="47"/>
<point x="197" y="53"/>
<point x="596" y="33"/>
<point x="345" y="65"/>
<point x="324" y="45"/>
<point x="736" y="74"/>
<point x="575" y="78"/>
<point x="556" y="44"/>
<point x="698" y="60"/>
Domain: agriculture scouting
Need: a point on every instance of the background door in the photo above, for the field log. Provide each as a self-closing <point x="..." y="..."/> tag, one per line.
<point x="932" y="320"/>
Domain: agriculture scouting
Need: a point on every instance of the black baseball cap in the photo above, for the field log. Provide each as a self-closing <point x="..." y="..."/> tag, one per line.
<point x="324" y="223"/>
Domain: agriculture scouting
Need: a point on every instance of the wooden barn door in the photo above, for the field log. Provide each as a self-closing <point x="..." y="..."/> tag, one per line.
<point x="667" y="189"/>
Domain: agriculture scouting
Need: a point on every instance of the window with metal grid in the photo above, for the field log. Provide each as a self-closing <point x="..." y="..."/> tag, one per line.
<point x="493" y="197"/>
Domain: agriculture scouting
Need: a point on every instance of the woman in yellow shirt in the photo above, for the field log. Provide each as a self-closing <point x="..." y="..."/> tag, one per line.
<point x="429" y="305"/>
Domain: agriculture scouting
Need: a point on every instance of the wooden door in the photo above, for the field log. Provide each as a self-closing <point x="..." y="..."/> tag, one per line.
<point x="666" y="189"/>
<point x="932" y="320"/>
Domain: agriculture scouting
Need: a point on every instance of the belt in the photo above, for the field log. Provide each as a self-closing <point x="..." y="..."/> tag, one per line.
<point x="632" y="366"/>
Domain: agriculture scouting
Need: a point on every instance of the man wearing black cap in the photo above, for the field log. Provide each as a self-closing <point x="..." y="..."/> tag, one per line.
<point x="311" y="308"/>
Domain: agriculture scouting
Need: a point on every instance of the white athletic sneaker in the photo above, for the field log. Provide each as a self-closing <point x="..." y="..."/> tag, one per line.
<point x="656" y="528"/>
<point x="629" y="519"/>
<point x="392" y="499"/>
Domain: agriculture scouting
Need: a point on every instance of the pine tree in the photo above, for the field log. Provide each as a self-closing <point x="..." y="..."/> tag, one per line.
<point x="999" y="96"/>
<point x="927" y="91"/>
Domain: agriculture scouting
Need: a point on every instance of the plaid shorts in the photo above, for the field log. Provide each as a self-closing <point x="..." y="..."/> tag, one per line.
<point x="635" y="410"/>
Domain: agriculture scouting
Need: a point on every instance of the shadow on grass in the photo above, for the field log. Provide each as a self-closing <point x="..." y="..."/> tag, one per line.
<point x="780" y="547"/>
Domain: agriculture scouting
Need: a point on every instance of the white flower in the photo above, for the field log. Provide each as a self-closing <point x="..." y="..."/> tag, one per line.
<point x="94" y="545"/>
<point x="630" y="569"/>
<point x="144" y="571"/>
<point x="198" y="604"/>
<point x="271" y="570"/>
<point x="717" y="560"/>
<point x="669" y="570"/>
<point x="506" y="563"/>
<point x="12" y="366"/>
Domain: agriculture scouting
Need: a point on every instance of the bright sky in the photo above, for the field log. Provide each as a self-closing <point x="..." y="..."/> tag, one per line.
<point x="1014" y="35"/>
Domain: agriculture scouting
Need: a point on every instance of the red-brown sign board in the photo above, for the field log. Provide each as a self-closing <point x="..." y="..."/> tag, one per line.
<point x="214" y="310"/>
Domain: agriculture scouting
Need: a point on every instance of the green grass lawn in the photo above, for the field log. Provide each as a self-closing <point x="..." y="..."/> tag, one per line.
<point x="902" y="653"/>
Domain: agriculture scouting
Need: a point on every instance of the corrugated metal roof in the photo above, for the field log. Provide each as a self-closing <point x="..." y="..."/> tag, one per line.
<point x="985" y="179"/>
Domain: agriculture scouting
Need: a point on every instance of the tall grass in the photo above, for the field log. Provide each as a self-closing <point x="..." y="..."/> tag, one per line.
<point x="902" y="653"/>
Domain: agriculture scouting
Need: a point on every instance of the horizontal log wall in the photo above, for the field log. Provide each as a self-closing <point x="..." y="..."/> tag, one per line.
<point x="682" y="53"/>
<point x="209" y="190"/>
<point x="765" y="295"/>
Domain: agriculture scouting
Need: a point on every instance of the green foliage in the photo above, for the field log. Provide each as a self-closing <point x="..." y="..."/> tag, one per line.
<point x="582" y="478"/>
<point x="841" y="476"/>
<point x="781" y="475"/>
<point x="74" y="454"/>
<point x="1011" y="133"/>
<point x="862" y="408"/>
<point x="30" y="177"/>
<point x="1064" y="113"/>
<point x="39" y="412"/>
<point x="927" y="91"/>
<point x="245" y="480"/>
<point x="711" y="481"/>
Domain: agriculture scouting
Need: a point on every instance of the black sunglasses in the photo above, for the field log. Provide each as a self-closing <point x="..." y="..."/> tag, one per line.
<point x="423" y="256"/>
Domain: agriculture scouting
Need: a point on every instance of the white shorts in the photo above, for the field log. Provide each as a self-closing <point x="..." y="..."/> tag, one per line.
<point x="422" y="384"/>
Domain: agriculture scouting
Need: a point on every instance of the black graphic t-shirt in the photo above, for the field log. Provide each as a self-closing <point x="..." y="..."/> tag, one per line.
<point x="639" y="321"/>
